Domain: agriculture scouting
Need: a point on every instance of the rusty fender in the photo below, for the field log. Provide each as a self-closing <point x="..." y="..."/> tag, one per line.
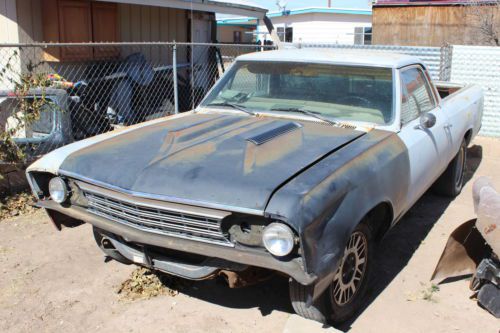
<point x="326" y="202"/>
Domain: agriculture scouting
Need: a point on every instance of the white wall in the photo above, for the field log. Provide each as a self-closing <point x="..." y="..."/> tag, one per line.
<point x="322" y="27"/>
<point x="9" y="33"/>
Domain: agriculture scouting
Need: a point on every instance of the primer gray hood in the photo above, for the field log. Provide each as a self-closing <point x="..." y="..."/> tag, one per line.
<point x="229" y="160"/>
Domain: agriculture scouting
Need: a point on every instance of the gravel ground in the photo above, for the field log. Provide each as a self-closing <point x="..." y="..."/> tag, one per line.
<point x="59" y="281"/>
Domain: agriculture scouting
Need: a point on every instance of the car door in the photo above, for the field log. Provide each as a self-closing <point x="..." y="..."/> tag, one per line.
<point x="428" y="146"/>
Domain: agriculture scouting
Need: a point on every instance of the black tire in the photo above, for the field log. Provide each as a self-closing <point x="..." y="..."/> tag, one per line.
<point x="450" y="183"/>
<point x="298" y="296"/>
<point x="327" y="308"/>
<point x="111" y="253"/>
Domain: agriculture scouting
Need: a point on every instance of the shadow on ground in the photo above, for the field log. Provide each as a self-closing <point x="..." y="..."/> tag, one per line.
<point x="393" y="254"/>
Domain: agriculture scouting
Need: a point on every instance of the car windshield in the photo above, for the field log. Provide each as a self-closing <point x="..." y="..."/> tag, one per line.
<point x="332" y="92"/>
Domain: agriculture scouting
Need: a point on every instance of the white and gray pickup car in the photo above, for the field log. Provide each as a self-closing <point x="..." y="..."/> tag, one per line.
<point x="296" y="162"/>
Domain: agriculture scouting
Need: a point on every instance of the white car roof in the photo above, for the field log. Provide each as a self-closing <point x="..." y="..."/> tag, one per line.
<point x="335" y="56"/>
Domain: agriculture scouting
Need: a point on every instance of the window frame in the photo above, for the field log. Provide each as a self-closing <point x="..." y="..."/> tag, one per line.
<point x="431" y="90"/>
<point x="367" y="31"/>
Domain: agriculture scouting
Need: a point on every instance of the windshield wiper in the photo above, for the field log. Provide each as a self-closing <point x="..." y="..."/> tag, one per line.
<point x="232" y="105"/>
<point x="306" y="112"/>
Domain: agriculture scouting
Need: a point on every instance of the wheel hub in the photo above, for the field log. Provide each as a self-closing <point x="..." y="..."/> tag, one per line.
<point x="348" y="268"/>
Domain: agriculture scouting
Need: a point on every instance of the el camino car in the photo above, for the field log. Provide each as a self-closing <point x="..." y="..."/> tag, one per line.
<point x="296" y="162"/>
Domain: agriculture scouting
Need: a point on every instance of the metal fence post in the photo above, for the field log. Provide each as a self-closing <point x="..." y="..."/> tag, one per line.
<point x="176" y="92"/>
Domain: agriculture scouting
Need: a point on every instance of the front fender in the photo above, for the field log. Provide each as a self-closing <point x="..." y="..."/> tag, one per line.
<point x="326" y="202"/>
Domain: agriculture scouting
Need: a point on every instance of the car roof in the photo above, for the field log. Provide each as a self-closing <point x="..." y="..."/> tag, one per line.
<point x="335" y="56"/>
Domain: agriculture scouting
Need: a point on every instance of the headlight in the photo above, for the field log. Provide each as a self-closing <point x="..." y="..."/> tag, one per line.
<point x="58" y="189"/>
<point x="278" y="239"/>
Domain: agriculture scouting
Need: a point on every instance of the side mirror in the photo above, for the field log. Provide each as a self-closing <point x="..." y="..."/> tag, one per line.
<point x="427" y="120"/>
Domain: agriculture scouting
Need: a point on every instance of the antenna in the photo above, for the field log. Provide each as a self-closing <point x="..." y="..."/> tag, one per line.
<point x="281" y="5"/>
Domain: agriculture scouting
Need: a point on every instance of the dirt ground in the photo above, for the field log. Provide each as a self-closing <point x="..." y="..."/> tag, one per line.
<point x="59" y="281"/>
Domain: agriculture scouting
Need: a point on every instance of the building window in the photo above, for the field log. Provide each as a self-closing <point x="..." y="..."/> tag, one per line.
<point x="237" y="36"/>
<point x="367" y="37"/>
<point x="281" y="33"/>
<point x="363" y="35"/>
<point x="289" y="35"/>
<point x="285" y="34"/>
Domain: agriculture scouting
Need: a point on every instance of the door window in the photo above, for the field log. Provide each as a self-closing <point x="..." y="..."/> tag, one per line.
<point x="416" y="95"/>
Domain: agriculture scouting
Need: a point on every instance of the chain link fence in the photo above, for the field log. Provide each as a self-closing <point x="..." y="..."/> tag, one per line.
<point x="89" y="89"/>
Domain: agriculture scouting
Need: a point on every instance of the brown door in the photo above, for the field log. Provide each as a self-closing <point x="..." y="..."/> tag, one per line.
<point x="104" y="28"/>
<point x="75" y="25"/>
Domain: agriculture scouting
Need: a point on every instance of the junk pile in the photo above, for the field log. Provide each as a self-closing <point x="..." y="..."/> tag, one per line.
<point x="474" y="248"/>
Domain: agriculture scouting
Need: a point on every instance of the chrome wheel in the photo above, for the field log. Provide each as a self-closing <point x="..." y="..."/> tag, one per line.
<point x="351" y="271"/>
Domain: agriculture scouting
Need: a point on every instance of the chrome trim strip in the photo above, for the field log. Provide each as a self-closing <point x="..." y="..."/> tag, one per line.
<point x="163" y="197"/>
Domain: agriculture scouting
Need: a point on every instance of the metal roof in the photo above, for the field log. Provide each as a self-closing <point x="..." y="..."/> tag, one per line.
<point x="298" y="11"/>
<point x="337" y="57"/>
<point x="327" y="10"/>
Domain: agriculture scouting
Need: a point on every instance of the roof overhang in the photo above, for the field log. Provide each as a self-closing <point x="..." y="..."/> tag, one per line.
<point x="234" y="7"/>
<point x="321" y="10"/>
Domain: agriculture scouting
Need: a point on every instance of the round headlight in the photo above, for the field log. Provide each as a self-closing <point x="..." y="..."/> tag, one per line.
<point x="278" y="239"/>
<point x="58" y="189"/>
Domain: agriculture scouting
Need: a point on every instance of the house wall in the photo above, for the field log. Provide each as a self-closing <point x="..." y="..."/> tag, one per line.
<point x="153" y="24"/>
<point x="21" y="21"/>
<point x="322" y="27"/>
<point x="225" y="33"/>
<point x="9" y="32"/>
<point x="29" y="20"/>
<point x="425" y="25"/>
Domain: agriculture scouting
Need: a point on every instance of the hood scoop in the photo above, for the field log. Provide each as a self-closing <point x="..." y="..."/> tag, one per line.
<point x="274" y="132"/>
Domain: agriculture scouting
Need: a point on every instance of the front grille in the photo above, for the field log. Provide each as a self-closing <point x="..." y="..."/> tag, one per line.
<point x="157" y="220"/>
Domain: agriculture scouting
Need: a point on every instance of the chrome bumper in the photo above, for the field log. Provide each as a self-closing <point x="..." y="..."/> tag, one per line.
<point x="245" y="256"/>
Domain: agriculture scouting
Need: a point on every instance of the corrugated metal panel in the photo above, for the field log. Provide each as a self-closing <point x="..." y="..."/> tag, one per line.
<point x="481" y="65"/>
<point x="431" y="56"/>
